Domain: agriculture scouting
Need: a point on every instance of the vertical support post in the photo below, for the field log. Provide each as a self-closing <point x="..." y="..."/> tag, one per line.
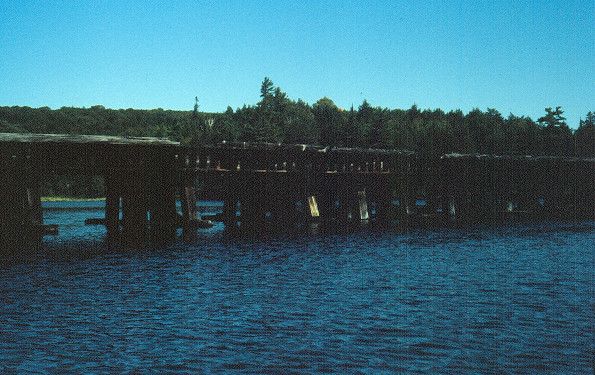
<point x="248" y="202"/>
<point x="509" y="206"/>
<point x="381" y="195"/>
<point x="134" y="210"/>
<point x="326" y="194"/>
<point x="352" y="204"/>
<point x="34" y="213"/>
<point x="12" y="232"/>
<point x="404" y="204"/>
<point x="383" y="208"/>
<point x="190" y="202"/>
<point x="449" y="207"/>
<point x="183" y="183"/>
<point x="256" y="200"/>
<point x="251" y="214"/>
<point x="112" y="206"/>
<point x="231" y="196"/>
<point x="162" y="207"/>
<point x="230" y="208"/>
<point x="312" y="207"/>
<point x="34" y="203"/>
<point x="346" y="203"/>
<point x="405" y="193"/>
<point x="363" y="205"/>
<point x="283" y="191"/>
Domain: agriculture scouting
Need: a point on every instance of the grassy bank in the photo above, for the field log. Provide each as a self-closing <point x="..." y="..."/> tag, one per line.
<point x="69" y="199"/>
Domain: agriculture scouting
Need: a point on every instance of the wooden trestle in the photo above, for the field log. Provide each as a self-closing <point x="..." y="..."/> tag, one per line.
<point x="289" y="184"/>
<point x="140" y="180"/>
<point x="272" y="184"/>
<point x="280" y="185"/>
<point x="487" y="187"/>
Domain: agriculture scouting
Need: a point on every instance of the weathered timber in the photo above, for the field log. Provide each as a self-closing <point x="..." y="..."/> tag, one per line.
<point x="188" y="199"/>
<point x="141" y="172"/>
<point x="264" y="184"/>
<point x="292" y="184"/>
<point x="488" y="187"/>
<point x="112" y="206"/>
<point x="312" y="207"/>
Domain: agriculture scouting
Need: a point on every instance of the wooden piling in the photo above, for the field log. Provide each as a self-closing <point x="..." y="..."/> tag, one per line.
<point x="112" y="206"/>
<point x="34" y="213"/>
<point x="34" y="209"/>
<point x="312" y="207"/>
<point x="230" y="208"/>
<point x="189" y="210"/>
<point x="162" y="203"/>
<point x="362" y="206"/>
<point x="327" y="196"/>
<point x="134" y="211"/>
<point x="12" y="223"/>
<point x="381" y="194"/>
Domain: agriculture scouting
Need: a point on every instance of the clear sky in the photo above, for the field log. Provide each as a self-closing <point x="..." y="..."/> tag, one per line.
<point x="514" y="56"/>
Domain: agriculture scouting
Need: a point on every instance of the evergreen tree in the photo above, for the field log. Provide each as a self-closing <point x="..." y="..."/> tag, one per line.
<point x="351" y="132"/>
<point x="557" y="136"/>
<point x="266" y="88"/>
<point x="585" y="136"/>
<point x="552" y="118"/>
<point x="300" y="124"/>
<point x="379" y="136"/>
<point x="365" y="116"/>
<point x="225" y="127"/>
<point x="328" y="117"/>
<point x="266" y="128"/>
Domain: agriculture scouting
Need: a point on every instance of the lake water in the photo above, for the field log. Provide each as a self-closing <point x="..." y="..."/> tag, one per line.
<point x="505" y="299"/>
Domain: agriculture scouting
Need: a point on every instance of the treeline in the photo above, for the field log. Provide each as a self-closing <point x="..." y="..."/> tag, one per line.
<point x="277" y="118"/>
<point x="94" y="120"/>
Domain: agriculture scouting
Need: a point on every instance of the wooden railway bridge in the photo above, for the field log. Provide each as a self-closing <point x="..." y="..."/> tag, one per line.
<point x="280" y="185"/>
<point x="139" y="173"/>
<point x="267" y="184"/>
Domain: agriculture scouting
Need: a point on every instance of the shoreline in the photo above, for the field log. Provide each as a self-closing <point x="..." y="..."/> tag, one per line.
<point x="67" y="199"/>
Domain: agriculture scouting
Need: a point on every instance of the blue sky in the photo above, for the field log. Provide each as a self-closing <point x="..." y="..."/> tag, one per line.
<point x="513" y="56"/>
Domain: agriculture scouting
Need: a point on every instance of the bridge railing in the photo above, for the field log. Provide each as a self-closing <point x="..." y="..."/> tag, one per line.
<point x="291" y="158"/>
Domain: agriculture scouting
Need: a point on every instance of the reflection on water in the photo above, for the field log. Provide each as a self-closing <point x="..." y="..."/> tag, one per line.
<point x="505" y="299"/>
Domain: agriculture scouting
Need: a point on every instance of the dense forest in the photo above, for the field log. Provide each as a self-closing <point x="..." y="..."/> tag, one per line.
<point x="277" y="118"/>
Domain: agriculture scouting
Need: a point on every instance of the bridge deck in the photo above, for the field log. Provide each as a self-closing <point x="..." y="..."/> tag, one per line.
<point x="86" y="154"/>
<point x="140" y="177"/>
<point x="285" y="184"/>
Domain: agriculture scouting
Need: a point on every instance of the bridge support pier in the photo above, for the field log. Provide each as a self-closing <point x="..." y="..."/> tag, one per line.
<point x="449" y="207"/>
<point x="162" y="206"/>
<point x="230" y="210"/>
<point x="12" y="214"/>
<point x="112" y="207"/>
<point x="362" y="207"/>
<point x="188" y="203"/>
<point x="21" y="213"/>
<point x="148" y="209"/>
<point x="134" y="211"/>
<point x="382" y="197"/>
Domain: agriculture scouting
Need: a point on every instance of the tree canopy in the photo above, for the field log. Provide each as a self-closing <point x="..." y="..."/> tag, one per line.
<point x="280" y="119"/>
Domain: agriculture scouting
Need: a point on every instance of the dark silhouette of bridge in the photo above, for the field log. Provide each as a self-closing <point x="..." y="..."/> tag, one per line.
<point x="281" y="185"/>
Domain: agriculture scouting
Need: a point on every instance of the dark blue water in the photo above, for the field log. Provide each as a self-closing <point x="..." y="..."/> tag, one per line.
<point x="507" y="299"/>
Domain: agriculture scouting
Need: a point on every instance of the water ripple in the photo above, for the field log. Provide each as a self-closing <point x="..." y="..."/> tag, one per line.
<point x="484" y="300"/>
